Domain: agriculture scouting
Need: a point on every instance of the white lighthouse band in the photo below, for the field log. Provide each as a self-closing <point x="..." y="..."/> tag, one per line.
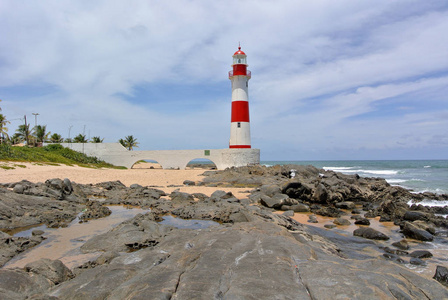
<point x="240" y="122"/>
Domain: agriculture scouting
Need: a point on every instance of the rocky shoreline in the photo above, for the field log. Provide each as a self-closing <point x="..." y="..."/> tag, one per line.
<point x="253" y="251"/>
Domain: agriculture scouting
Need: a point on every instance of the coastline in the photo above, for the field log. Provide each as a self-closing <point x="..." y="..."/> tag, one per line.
<point x="252" y="226"/>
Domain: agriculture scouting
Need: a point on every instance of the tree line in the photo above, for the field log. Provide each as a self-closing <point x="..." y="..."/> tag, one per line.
<point x="38" y="135"/>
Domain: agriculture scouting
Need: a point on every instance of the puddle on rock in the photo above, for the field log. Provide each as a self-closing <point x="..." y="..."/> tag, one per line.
<point x="438" y="248"/>
<point x="187" y="223"/>
<point x="65" y="243"/>
<point x="25" y="231"/>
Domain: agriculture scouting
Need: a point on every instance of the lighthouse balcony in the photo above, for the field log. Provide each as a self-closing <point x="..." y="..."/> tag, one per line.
<point x="248" y="74"/>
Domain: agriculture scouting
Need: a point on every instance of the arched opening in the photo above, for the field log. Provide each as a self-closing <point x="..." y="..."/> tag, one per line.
<point x="201" y="163"/>
<point x="146" y="164"/>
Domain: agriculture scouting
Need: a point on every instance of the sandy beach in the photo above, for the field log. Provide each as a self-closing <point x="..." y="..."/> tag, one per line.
<point x="145" y="174"/>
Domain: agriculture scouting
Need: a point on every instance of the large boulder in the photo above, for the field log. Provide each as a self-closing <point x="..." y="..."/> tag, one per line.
<point x="53" y="270"/>
<point x="298" y="190"/>
<point x="370" y="233"/>
<point x="416" y="215"/>
<point x="412" y="231"/>
<point x="320" y="194"/>
<point x="277" y="201"/>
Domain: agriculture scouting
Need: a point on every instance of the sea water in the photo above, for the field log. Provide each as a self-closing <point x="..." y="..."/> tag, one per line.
<point x="416" y="175"/>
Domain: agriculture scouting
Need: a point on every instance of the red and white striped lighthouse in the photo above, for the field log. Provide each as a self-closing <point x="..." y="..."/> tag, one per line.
<point x="240" y="125"/>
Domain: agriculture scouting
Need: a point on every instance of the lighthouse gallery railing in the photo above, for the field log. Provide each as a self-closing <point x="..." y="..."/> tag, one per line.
<point x="248" y="74"/>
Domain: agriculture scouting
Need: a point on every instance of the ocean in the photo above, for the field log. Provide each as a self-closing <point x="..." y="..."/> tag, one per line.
<point x="416" y="175"/>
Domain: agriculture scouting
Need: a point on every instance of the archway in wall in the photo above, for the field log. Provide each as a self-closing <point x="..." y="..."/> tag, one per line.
<point x="146" y="164"/>
<point x="201" y="163"/>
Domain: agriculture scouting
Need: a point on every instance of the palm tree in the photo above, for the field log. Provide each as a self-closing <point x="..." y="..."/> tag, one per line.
<point x="41" y="134"/>
<point x="23" y="132"/>
<point x="129" y="142"/>
<point x="3" y="128"/>
<point x="97" y="139"/>
<point x="80" y="138"/>
<point x="122" y="142"/>
<point x="56" y="138"/>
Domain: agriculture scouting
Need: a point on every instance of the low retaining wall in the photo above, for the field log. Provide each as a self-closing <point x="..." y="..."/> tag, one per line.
<point x="118" y="155"/>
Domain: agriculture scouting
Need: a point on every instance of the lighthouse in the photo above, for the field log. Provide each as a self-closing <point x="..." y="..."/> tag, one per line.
<point x="240" y="124"/>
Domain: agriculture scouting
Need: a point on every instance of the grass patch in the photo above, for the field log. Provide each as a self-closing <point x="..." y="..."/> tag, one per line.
<point x="20" y="166"/>
<point x="7" y="167"/>
<point x="53" y="154"/>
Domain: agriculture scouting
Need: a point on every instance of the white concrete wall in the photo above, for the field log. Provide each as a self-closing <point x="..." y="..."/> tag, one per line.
<point x="116" y="154"/>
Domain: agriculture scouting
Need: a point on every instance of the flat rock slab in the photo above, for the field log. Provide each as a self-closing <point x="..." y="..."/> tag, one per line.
<point x="251" y="260"/>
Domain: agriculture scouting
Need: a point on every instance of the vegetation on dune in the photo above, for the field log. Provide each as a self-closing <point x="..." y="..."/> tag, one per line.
<point x="53" y="153"/>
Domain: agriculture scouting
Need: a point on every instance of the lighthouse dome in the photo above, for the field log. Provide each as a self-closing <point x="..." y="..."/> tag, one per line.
<point x="239" y="52"/>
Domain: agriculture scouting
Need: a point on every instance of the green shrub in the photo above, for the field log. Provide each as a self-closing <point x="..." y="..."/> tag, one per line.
<point x="52" y="153"/>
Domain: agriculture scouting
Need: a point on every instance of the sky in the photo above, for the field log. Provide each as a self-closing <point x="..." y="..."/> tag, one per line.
<point x="331" y="80"/>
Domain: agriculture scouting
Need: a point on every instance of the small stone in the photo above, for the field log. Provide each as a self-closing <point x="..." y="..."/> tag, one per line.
<point x="417" y="261"/>
<point x="362" y="221"/>
<point x="421" y="254"/>
<point x="288" y="213"/>
<point x="300" y="207"/>
<point x="189" y="183"/>
<point x="403" y="244"/>
<point x="345" y="205"/>
<point x="329" y="226"/>
<point x="342" y="222"/>
<point x="135" y="186"/>
<point x="18" y="188"/>
<point x="37" y="232"/>
<point x="312" y="219"/>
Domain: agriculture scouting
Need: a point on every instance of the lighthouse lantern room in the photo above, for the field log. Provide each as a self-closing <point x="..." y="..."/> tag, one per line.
<point x="240" y="124"/>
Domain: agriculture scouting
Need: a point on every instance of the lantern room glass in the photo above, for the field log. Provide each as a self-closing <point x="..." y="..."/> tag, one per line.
<point x="239" y="59"/>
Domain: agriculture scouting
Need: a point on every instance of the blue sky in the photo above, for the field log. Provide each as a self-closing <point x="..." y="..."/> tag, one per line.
<point x="330" y="79"/>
